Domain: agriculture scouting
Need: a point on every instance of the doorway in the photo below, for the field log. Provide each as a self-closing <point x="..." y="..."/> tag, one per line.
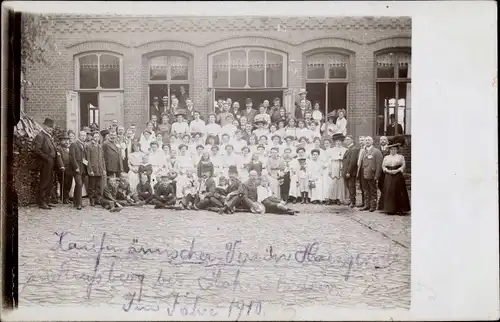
<point x="161" y="90"/>
<point x="89" y="110"/>
<point x="257" y="96"/>
<point x="330" y="96"/>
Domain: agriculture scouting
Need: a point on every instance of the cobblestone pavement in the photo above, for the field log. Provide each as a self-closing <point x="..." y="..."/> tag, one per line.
<point x="354" y="258"/>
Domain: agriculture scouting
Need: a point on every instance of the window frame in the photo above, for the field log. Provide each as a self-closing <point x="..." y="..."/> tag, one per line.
<point x="247" y="49"/>
<point x="396" y="80"/>
<point x="98" y="88"/>
<point x="347" y="79"/>
<point x="169" y="79"/>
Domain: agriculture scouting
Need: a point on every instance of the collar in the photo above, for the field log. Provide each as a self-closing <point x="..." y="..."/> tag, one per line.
<point x="43" y="130"/>
<point x="383" y="147"/>
<point x="368" y="148"/>
<point x="350" y="145"/>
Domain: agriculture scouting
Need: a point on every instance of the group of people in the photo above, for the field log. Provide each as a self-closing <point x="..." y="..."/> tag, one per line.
<point x="239" y="159"/>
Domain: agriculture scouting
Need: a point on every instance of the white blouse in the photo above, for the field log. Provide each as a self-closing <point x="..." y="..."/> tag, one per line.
<point x="342" y="126"/>
<point x="263" y="193"/>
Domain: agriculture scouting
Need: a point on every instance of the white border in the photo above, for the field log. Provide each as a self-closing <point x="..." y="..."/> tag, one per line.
<point x="455" y="273"/>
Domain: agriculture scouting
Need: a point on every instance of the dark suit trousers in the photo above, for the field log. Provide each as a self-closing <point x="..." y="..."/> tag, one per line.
<point x="380" y="184"/>
<point x="46" y="181"/>
<point x="66" y="184"/>
<point x="210" y="202"/>
<point x="242" y="201"/>
<point x="95" y="188"/>
<point x="77" y="195"/>
<point x="361" y="187"/>
<point x="370" y="188"/>
<point x="285" y="187"/>
<point x="351" y="186"/>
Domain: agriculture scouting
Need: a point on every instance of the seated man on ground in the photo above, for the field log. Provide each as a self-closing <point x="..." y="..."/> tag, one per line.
<point x="273" y="204"/>
<point x="244" y="197"/>
<point x="124" y="194"/>
<point x="210" y="196"/>
<point x="164" y="196"/>
<point x="110" y="191"/>
<point x="144" y="190"/>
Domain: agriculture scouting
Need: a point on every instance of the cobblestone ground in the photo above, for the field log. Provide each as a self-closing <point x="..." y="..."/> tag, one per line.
<point x="354" y="258"/>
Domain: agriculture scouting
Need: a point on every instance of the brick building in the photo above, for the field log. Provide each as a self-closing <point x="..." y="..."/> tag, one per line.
<point x="109" y="67"/>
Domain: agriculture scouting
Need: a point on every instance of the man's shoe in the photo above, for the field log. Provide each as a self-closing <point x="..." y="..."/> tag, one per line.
<point x="44" y="206"/>
<point x="78" y="207"/>
<point x="372" y="209"/>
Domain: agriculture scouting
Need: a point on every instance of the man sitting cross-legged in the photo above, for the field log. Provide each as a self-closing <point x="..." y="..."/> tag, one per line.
<point x="210" y="196"/>
<point x="110" y="191"/>
<point x="144" y="190"/>
<point x="244" y="197"/>
<point x="124" y="195"/>
<point x="164" y="196"/>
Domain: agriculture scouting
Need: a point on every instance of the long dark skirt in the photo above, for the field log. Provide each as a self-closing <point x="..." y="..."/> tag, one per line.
<point x="285" y="187"/>
<point x="395" y="193"/>
<point x="271" y="205"/>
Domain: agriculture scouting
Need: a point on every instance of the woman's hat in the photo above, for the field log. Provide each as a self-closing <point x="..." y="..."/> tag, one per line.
<point x="290" y="137"/>
<point x="49" y="122"/>
<point x="396" y="141"/>
<point x="302" y="91"/>
<point x="182" y="145"/>
<point x="301" y="148"/>
<point x="260" y="121"/>
<point x="276" y="136"/>
<point x="338" y="137"/>
<point x="104" y="133"/>
<point x="233" y="169"/>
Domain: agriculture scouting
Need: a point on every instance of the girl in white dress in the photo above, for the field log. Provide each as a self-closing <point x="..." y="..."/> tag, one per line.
<point x="145" y="141"/>
<point x="294" y="174"/>
<point x="244" y="160"/>
<point x="337" y="155"/>
<point x="325" y="158"/>
<point x="315" y="171"/>
<point x="134" y="161"/>
<point x="341" y="123"/>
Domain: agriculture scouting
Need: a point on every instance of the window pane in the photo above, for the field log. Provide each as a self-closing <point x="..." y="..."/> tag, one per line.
<point x="238" y="68"/>
<point x="403" y="106"/>
<point x="316" y="67"/>
<point x="404" y="63"/>
<point x="337" y="97"/>
<point x="337" y="66"/>
<point x="385" y="66"/>
<point x="386" y="96"/>
<point x="179" y="68"/>
<point x="110" y="71"/>
<point x="88" y="71"/>
<point x="274" y="70"/>
<point x="158" y="68"/>
<point x="220" y="70"/>
<point x="256" y="68"/>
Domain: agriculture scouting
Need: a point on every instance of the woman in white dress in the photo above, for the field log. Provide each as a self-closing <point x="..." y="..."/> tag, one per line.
<point x="274" y="168"/>
<point x="145" y="141"/>
<point x="341" y="123"/>
<point x="329" y="128"/>
<point x="134" y="161"/>
<point x="294" y="174"/>
<point x="244" y="160"/>
<point x="212" y="128"/>
<point x="325" y="157"/>
<point x="337" y="155"/>
<point x="157" y="161"/>
<point x="185" y="160"/>
<point x="315" y="172"/>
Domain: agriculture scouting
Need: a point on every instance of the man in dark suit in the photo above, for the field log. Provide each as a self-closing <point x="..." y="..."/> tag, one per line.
<point x="65" y="177"/>
<point x="371" y="168"/>
<point x="301" y="110"/>
<point x="245" y="195"/>
<point x="45" y="150"/>
<point x="112" y="156"/>
<point x="78" y="165"/>
<point x="156" y="109"/>
<point x="96" y="169"/>
<point x="249" y="112"/>
<point x="394" y="127"/>
<point x="207" y="197"/>
<point x="350" y="168"/>
<point x="384" y="142"/>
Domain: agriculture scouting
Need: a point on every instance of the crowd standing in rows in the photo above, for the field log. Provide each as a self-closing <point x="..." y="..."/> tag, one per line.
<point x="251" y="159"/>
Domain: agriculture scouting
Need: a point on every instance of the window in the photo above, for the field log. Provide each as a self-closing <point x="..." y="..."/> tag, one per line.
<point x="169" y="68"/>
<point x="327" y="80"/>
<point x="247" y="68"/>
<point x="97" y="71"/>
<point x="393" y="77"/>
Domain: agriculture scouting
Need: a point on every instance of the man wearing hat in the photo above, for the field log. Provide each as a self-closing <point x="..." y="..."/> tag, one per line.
<point x="165" y="193"/>
<point x="249" y="112"/>
<point x="155" y="107"/>
<point x="350" y="168"/>
<point x="301" y="110"/>
<point x="180" y="126"/>
<point x="65" y="177"/>
<point x="78" y="165"/>
<point x="189" y="109"/>
<point x="45" y="150"/>
<point x="302" y="97"/>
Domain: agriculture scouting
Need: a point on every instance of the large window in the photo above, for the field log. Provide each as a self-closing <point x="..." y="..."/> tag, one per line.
<point x="327" y="80"/>
<point x="98" y="71"/>
<point x="393" y="76"/>
<point x="252" y="68"/>
<point x="169" y="76"/>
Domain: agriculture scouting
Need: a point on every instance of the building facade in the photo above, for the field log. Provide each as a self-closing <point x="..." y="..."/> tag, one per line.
<point x="109" y="67"/>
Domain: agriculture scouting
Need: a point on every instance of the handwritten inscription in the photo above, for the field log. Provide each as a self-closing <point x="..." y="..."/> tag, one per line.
<point x="233" y="281"/>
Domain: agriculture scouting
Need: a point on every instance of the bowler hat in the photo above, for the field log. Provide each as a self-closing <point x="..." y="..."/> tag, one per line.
<point x="179" y="113"/>
<point x="155" y="99"/>
<point x="49" y="122"/>
<point x="63" y="137"/>
<point x="302" y="91"/>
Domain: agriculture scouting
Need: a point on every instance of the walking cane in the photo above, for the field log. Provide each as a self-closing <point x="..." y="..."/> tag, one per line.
<point x="61" y="186"/>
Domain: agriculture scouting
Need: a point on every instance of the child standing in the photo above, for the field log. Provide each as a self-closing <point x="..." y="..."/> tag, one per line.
<point x="303" y="180"/>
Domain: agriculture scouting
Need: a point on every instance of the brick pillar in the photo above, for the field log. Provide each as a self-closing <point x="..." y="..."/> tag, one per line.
<point x="362" y="114"/>
<point x="133" y="96"/>
<point x="199" y="92"/>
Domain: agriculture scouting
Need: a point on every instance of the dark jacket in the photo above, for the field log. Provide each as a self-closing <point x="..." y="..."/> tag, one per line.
<point x="76" y="157"/>
<point x="112" y="157"/>
<point x="372" y="164"/>
<point x="124" y="190"/>
<point x="166" y="192"/>
<point x="210" y="187"/>
<point x="350" y="161"/>
<point x="300" y="114"/>
<point x="44" y="147"/>
<point x="110" y="192"/>
<point x="62" y="159"/>
<point x="95" y="158"/>
<point x="144" y="188"/>
<point x="249" y="115"/>
<point x="391" y="129"/>
<point x="250" y="190"/>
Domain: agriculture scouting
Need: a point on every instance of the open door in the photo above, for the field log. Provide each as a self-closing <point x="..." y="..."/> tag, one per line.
<point x="72" y="111"/>
<point x="110" y="108"/>
<point x="288" y="101"/>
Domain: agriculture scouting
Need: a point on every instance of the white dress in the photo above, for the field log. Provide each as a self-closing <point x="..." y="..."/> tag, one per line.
<point x="315" y="171"/>
<point x="134" y="161"/>
<point x="325" y="157"/>
<point x="338" y="187"/>
<point x="294" y="178"/>
<point x="341" y="126"/>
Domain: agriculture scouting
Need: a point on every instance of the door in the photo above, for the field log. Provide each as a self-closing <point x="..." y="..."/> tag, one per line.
<point x="72" y="111"/>
<point x="110" y="108"/>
